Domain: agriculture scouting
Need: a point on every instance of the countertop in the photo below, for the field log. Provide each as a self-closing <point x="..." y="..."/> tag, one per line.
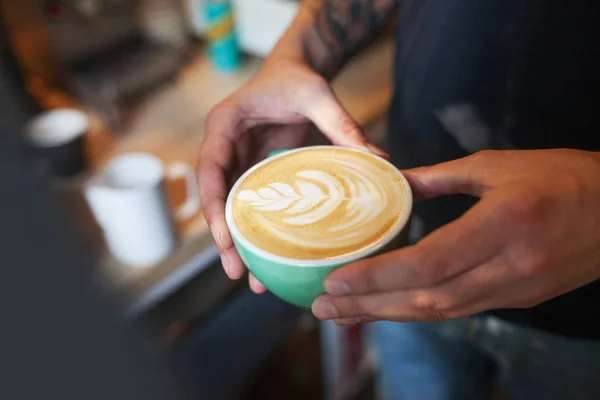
<point x="170" y="124"/>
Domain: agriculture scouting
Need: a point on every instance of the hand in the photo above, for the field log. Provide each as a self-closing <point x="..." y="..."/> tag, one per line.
<point x="534" y="235"/>
<point x="274" y="110"/>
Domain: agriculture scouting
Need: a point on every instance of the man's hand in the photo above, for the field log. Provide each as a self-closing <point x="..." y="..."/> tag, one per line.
<point x="534" y="235"/>
<point x="275" y="110"/>
<point x="277" y="107"/>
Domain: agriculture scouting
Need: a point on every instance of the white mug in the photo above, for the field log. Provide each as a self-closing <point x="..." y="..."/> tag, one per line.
<point x="129" y="202"/>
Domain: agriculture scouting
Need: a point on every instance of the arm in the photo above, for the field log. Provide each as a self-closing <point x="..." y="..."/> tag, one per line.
<point x="279" y="105"/>
<point x="326" y="33"/>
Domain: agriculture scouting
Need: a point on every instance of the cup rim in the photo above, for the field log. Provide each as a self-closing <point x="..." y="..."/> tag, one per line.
<point x="77" y="124"/>
<point x="328" y="262"/>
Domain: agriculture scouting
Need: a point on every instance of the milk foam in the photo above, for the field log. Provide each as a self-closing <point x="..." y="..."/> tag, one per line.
<point x="334" y="202"/>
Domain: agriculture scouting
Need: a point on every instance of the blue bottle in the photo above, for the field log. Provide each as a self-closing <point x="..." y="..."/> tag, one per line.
<point x="223" y="47"/>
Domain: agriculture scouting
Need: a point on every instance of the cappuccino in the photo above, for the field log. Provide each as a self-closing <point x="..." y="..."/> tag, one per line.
<point x="319" y="203"/>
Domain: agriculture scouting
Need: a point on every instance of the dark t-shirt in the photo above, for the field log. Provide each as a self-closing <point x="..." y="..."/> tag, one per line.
<point x="505" y="74"/>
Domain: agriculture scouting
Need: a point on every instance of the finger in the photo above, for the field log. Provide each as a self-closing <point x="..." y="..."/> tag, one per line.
<point x="333" y="120"/>
<point x="469" y="241"/>
<point x="213" y="195"/>
<point x="215" y="159"/>
<point x="217" y="156"/>
<point x="255" y="285"/>
<point x="355" y="307"/>
<point x="463" y="176"/>
<point x="232" y="263"/>
<point x="478" y="290"/>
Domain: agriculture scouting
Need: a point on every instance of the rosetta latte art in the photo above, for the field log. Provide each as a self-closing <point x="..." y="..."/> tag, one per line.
<point x="340" y="205"/>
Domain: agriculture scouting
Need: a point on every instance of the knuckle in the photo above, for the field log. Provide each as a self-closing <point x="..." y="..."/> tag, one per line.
<point x="530" y="211"/>
<point x="533" y="264"/>
<point x="430" y="306"/>
<point x="218" y="117"/>
<point x="211" y="214"/>
<point x="348" y="306"/>
<point x="531" y="205"/>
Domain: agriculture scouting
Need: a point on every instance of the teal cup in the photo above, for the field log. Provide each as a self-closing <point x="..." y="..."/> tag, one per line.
<point x="300" y="282"/>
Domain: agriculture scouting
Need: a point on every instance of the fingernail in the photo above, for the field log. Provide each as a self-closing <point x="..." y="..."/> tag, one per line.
<point x="336" y="288"/>
<point x="323" y="309"/>
<point x="225" y="262"/>
<point x="374" y="149"/>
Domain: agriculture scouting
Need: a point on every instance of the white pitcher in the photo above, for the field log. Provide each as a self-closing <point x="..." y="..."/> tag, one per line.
<point x="129" y="202"/>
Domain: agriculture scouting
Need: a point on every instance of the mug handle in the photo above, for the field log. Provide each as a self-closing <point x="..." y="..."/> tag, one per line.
<point x="190" y="207"/>
<point x="278" y="151"/>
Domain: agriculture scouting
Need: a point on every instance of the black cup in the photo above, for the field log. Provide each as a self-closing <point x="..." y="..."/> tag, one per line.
<point x="55" y="140"/>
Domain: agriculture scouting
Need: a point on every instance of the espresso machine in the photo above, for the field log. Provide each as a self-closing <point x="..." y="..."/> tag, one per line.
<point x="103" y="51"/>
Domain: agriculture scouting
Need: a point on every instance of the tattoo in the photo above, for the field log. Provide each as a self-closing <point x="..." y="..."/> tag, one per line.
<point x="343" y="27"/>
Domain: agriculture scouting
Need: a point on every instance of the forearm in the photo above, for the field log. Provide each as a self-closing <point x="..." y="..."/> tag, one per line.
<point x="326" y="33"/>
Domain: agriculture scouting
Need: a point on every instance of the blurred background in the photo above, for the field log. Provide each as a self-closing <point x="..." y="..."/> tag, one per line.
<point x="83" y="82"/>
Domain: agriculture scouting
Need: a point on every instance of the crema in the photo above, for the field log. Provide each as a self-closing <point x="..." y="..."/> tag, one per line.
<point x="319" y="203"/>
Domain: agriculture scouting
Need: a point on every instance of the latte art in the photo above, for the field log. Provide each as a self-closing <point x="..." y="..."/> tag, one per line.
<point x="319" y="203"/>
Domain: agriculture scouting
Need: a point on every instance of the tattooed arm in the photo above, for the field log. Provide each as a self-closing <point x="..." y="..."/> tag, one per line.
<point x="326" y="33"/>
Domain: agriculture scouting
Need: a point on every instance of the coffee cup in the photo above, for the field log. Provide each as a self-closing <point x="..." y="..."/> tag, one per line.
<point x="300" y="214"/>
<point x="129" y="202"/>
<point x="56" y="139"/>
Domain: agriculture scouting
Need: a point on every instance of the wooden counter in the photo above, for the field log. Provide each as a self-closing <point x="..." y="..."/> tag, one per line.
<point x="170" y="124"/>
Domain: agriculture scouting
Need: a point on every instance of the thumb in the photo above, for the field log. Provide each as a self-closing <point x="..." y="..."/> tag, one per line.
<point x="462" y="176"/>
<point x="333" y="120"/>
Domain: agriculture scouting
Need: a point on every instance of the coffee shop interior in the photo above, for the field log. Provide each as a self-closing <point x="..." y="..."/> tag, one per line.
<point x="84" y="82"/>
